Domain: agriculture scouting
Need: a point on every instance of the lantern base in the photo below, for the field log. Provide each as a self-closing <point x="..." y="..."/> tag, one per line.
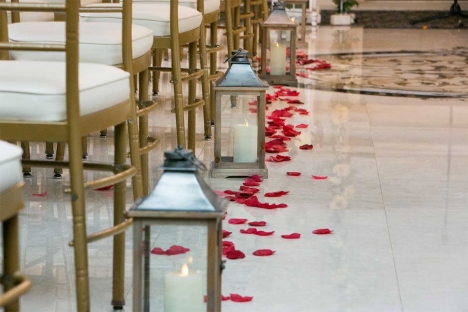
<point x="228" y="168"/>
<point x="284" y="80"/>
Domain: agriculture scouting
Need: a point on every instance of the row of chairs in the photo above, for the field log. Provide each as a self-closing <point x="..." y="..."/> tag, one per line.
<point x="61" y="81"/>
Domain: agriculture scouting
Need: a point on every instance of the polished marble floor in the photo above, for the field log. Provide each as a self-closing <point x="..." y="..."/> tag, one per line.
<point x="396" y="197"/>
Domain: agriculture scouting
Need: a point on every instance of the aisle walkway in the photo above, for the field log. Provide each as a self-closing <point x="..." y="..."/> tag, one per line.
<point x="396" y="197"/>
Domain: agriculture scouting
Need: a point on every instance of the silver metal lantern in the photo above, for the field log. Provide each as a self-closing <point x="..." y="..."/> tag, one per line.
<point x="279" y="36"/>
<point x="181" y="198"/>
<point x="238" y="84"/>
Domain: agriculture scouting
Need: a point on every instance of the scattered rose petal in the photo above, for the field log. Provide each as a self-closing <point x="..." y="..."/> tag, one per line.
<point x="176" y="250"/>
<point x="237" y="221"/>
<point x="241" y="200"/>
<point x="105" y="188"/>
<point x="316" y="177"/>
<point x="293" y="173"/>
<point x="302" y="126"/>
<point x="292" y="93"/>
<point x="263" y="252"/>
<point x="295" y="101"/>
<point x="255" y="177"/>
<point x="249" y="231"/>
<point x="257" y="223"/>
<point x="278" y="158"/>
<point x="322" y="231"/>
<point x="235" y="254"/>
<point x="40" y="194"/>
<point x="249" y="182"/>
<point x="249" y="189"/>
<point x="239" y="298"/>
<point x="306" y="147"/>
<point x="158" y="251"/>
<point x="276" y="194"/>
<point x="263" y="233"/>
<point x="226" y="233"/>
<point x="292" y="236"/>
<point x="227" y="249"/>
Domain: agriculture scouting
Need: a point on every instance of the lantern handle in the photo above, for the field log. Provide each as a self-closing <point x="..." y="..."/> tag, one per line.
<point x="194" y="160"/>
<point x="234" y="55"/>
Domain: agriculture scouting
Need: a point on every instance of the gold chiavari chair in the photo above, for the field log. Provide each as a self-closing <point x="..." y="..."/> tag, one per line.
<point x="62" y="102"/>
<point x="99" y="43"/>
<point x="167" y="19"/>
<point x="259" y="8"/>
<point x="11" y="202"/>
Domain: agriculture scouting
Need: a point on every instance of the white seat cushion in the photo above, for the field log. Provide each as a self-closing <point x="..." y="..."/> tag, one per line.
<point x="99" y="42"/>
<point x="83" y="2"/>
<point x="33" y="16"/>
<point x="35" y="91"/>
<point x="210" y="5"/>
<point x="154" y="16"/>
<point x="10" y="165"/>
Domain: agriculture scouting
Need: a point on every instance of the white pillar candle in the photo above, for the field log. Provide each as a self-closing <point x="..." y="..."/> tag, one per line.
<point x="278" y="60"/>
<point x="183" y="291"/>
<point x="245" y="143"/>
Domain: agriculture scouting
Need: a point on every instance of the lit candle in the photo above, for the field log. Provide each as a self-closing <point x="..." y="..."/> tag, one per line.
<point x="278" y="60"/>
<point x="183" y="291"/>
<point x="245" y="143"/>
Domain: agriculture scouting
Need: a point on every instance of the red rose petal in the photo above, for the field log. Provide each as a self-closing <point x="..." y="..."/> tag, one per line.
<point x="322" y="231"/>
<point x="105" y="188"/>
<point x="306" y="147"/>
<point x="235" y="254"/>
<point x="293" y="173"/>
<point x="249" y="189"/>
<point x="158" y="251"/>
<point x="239" y="298"/>
<point x="227" y="243"/>
<point x="263" y="252"/>
<point x="295" y="102"/>
<point x="237" y="221"/>
<point x="249" y="231"/>
<point x="256" y="178"/>
<point x="40" y="194"/>
<point x="226" y="233"/>
<point x="241" y="200"/>
<point x="263" y="233"/>
<point x="276" y="194"/>
<point x="292" y="236"/>
<point x="176" y="250"/>
<point x="251" y="183"/>
<point x="303" y="126"/>
<point x="224" y="298"/>
<point x="257" y="223"/>
<point x="319" y="177"/>
<point x="228" y="249"/>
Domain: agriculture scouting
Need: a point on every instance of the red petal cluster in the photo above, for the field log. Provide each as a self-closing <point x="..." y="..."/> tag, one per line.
<point x="281" y="113"/>
<point x="276" y="146"/>
<point x="256" y="232"/>
<point x="276" y="194"/>
<point x="306" y="147"/>
<point x="252" y="190"/>
<point x="257" y="223"/>
<point x="263" y="252"/>
<point x="239" y="298"/>
<point x="278" y="158"/>
<point x="173" y="250"/>
<point x="322" y="231"/>
<point x="254" y="202"/>
<point x="256" y="178"/>
<point x="293" y="173"/>
<point x="292" y="236"/>
<point x="288" y="130"/>
<point x="270" y="98"/>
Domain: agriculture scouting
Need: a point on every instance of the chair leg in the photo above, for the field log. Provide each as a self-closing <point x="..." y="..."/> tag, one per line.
<point x="192" y="91"/>
<point x="213" y="66"/>
<point x="248" y="39"/>
<point x="79" y="224"/>
<point x="10" y="257"/>
<point x="143" y="130"/>
<point x="204" y="83"/>
<point x="157" y="61"/>
<point x="256" y="36"/>
<point x="236" y="22"/>
<point x="49" y="150"/>
<point x="229" y="28"/>
<point x="118" y="275"/>
<point x="60" y="156"/>
<point x="26" y="156"/>
<point x="178" y="99"/>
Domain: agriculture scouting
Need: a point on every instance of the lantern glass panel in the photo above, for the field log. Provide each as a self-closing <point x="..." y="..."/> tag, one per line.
<point x="239" y="128"/>
<point x="177" y="279"/>
<point x="280" y="45"/>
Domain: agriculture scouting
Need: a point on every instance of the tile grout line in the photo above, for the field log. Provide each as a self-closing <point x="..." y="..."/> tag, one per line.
<point x="385" y="210"/>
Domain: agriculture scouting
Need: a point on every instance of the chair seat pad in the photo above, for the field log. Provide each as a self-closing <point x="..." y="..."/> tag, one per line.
<point x="33" y="16"/>
<point x="82" y="2"/>
<point x="35" y="91"/>
<point x="10" y="165"/>
<point x="154" y="16"/>
<point x="99" y="42"/>
<point x="209" y="5"/>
